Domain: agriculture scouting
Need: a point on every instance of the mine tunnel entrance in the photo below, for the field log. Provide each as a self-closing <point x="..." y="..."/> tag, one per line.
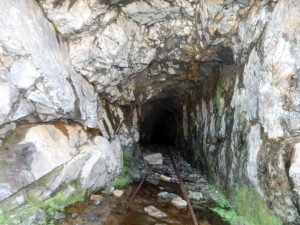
<point x="161" y="122"/>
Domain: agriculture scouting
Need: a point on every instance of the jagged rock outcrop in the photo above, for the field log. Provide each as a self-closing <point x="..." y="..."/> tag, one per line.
<point x="227" y="71"/>
<point x="59" y="154"/>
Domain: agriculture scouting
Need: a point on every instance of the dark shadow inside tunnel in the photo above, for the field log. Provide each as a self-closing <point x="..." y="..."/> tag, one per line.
<point x="160" y="122"/>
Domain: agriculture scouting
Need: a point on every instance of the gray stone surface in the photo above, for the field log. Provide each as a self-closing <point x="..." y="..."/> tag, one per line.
<point x="152" y="211"/>
<point x="179" y="203"/>
<point x="233" y="65"/>
<point x="154" y="159"/>
<point x="36" y="73"/>
<point x="45" y="148"/>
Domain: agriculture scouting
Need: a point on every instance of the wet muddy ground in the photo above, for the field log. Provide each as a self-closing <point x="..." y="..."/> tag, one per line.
<point x="113" y="211"/>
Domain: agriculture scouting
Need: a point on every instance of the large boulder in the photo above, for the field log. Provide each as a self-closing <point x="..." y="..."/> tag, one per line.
<point x="72" y="154"/>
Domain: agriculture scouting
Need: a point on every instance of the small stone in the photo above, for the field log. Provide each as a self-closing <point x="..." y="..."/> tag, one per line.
<point x="153" y="179"/>
<point x="154" y="159"/>
<point x="165" y="178"/>
<point x="59" y="216"/>
<point x="118" y="193"/>
<point x="166" y="196"/>
<point x="136" y="176"/>
<point x="96" y="197"/>
<point x="108" y="191"/>
<point x="152" y="211"/>
<point x="179" y="203"/>
<point x="196" y="196"/>
<point x="74" y="215"/>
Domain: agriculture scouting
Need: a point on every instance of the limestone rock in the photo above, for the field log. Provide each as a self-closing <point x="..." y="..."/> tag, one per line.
<point x="118" y="193"/>
<point x="179" y="203"/>
<point x="294" y="171"/>
<point x="152" y="211"/>
<point x="154" y="159"/>
<point x="36" y="72"/>
<point x="45" y="150"/>
<point x="197" y="196"/>
<point x="166" y="196"/>
<point x="96" y="197"/>
<point x="165" y="178"/>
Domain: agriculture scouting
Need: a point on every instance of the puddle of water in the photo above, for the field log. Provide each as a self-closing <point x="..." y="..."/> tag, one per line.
<point x="112" y="211"/>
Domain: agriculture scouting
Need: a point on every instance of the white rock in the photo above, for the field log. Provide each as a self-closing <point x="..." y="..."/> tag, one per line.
<point x="179" y="203"/>
<point x="34" y="60"/>
<point x="154" y="159"/>
<point x="294" y="170"/>
<point x="165" y="178"/>
<point x="118" y="193"/>
<point x="45" y="149"/>
<point x="152" y="211"/>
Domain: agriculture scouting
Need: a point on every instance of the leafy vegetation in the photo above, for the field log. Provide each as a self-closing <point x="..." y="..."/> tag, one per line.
<point x="224" y="209"/>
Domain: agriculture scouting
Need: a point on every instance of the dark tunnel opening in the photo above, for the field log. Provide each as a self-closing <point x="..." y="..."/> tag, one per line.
<point x="160" y="122"/>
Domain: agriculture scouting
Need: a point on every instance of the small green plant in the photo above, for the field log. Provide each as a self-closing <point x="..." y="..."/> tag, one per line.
<point x="223" y="207"/>
<point x="226" y="214"/>
<point x="223" y="202"/>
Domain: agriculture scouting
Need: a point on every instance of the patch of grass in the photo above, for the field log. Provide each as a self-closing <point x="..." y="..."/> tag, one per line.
<point x="250" y="205"/>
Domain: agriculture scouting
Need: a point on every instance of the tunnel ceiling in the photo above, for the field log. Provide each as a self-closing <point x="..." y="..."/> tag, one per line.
<point x="152" y="47"/>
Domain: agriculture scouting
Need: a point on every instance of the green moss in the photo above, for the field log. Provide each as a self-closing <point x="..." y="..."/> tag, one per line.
<point x="228" y="215"/>
<point x="253" y="208"/>
<point x="50" y="206"/>
<point x="5" y="219"/>
<point x="223" y="207"/>
<point x="139" y="89"/>
<point x="127" y="170"/>
<point x="246" y="207"/>
<point x="9" y="139"/>
<point x="217" y="98"/>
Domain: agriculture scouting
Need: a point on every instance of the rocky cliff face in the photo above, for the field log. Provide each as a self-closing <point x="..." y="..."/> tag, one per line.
<point x="81" y="79"/>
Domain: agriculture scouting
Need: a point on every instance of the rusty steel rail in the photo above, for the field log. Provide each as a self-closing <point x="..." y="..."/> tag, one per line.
<point x="184" y="193"/>
<point x="137" y="189"/>
<point x="130" y="201"/>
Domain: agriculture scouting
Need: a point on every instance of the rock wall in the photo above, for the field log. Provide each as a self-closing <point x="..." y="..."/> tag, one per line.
<point x="247" y="129"/>
<point x="75" y="75"/>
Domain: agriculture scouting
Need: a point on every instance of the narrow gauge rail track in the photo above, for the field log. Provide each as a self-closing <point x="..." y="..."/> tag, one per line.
<point x="183" y="190"/>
